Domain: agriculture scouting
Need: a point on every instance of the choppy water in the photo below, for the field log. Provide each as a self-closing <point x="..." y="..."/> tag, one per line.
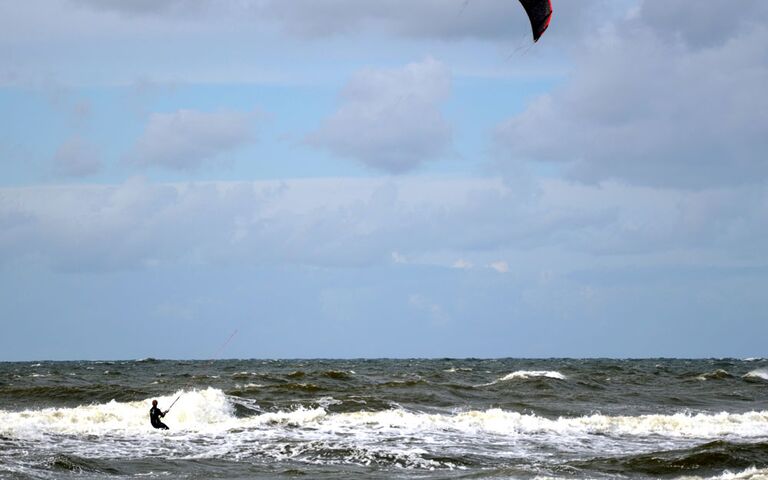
<point x="425" y="419"/>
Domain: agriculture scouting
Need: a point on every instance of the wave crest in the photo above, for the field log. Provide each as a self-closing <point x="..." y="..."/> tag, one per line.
<point x="718" y="374"/>
<point x="761" y="373"/>
<point x="527" y="375"/>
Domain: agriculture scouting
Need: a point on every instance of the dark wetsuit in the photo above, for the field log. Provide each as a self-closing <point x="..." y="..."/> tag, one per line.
<point x="154" y="417"/>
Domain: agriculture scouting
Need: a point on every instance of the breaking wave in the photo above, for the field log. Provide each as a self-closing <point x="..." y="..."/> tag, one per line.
<point x="760" y="373"/>
<point x="194" y="411"/>
<point x="211" y="410"/>
<point x="526" y="375"/>
<point x="209" y="424"/>
<point x="751" y="473"/>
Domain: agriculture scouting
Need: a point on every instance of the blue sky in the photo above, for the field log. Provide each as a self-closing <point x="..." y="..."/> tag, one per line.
<point x="382" y="179"/>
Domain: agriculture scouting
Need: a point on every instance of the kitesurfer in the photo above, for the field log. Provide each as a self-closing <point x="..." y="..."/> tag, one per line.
<point x="155" y="414"/>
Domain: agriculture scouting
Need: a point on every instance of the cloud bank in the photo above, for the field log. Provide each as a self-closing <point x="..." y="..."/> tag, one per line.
<point x="342" y="223"/>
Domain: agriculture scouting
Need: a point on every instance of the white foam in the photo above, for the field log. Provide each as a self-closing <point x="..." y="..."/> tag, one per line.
<point x="249" y="385"/>
<point x="751" y="473"/>
<point x="193" y="411"/>
<point x="501" y="422"/>
<point x="203" y="425"/>
<point x="527" y="374"/>
<point x="211" y="410"/>
<point x="760" y="373"/>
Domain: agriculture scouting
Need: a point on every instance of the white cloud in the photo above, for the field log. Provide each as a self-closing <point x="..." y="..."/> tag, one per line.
<point x="398" y="258"/>
<point x="500" y="266"/>
<point x="463" y="264"/>
<point x="390" y="119"/>
<point x="188" y="139"/>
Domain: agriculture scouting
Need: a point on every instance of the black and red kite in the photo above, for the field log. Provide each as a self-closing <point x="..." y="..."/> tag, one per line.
<point x="539" y="13"/>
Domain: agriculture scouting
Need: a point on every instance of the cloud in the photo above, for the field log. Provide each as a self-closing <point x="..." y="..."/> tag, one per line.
<point x="430" y="18"/>
<point x="500" y="266"/>
<point x="189" y="139"/>
<point x="360" y="222"/>
<point x="704" y="26"/>
<point x="642" y="108"/>
<point x="446" y="20"/>
<point x="449" y="20"/>
<point x="390" y="119"/>
<point x="76" y="157"/>
<point x="183" y="8"/>
<point x="216" y="42"/>
<point x="463" y="264"/>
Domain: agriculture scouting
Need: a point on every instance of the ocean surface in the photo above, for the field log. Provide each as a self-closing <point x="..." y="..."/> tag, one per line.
<point x="386" y="419"/>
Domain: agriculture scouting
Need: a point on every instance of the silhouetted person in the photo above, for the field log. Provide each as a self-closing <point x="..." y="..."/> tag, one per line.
<point x="155" y="414"/>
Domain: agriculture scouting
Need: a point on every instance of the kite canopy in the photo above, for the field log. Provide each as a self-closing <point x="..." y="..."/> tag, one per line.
<point x="539" y="12"/>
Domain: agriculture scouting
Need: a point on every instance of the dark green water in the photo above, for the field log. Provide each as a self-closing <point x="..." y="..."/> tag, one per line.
<point x="448" y="418"/>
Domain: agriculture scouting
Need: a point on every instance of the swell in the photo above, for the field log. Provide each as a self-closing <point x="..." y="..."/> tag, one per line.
<point x="71" y="394"/>
<point x="706" y="459"/>
<point x="323" y="452"/>
<point x="78" y="465"/>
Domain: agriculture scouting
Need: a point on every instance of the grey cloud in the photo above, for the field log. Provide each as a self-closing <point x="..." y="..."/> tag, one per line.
<point x="701" y="25"/>
<point x="182" y="8"/>
<point x="76" y="157"/>
<point x="390" y="119"/>
<point x="652" y="221"/>
<point x="437" y="19"/>
<point x="642" y="110"/>
<point x="187" y="139"/>
<point x="425" y="18"/>
<point x="432" y="19"/>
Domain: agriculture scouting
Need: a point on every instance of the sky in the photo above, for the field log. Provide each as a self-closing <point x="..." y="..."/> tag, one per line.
<point x="389" y="178"/>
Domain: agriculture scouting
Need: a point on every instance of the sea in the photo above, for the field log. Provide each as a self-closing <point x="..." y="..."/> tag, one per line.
<point x="386" y="419"/>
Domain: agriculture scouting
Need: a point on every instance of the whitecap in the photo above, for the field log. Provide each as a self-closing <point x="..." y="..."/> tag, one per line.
<point x="750" y="473"/>
<point x="759" y="373"/>
<point x="197" y="410"/>
<point x="204" y="425"/>
<point x="527" y="374"/>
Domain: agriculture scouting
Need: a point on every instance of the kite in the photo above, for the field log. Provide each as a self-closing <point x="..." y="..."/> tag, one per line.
<point x="539" y="13"/>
